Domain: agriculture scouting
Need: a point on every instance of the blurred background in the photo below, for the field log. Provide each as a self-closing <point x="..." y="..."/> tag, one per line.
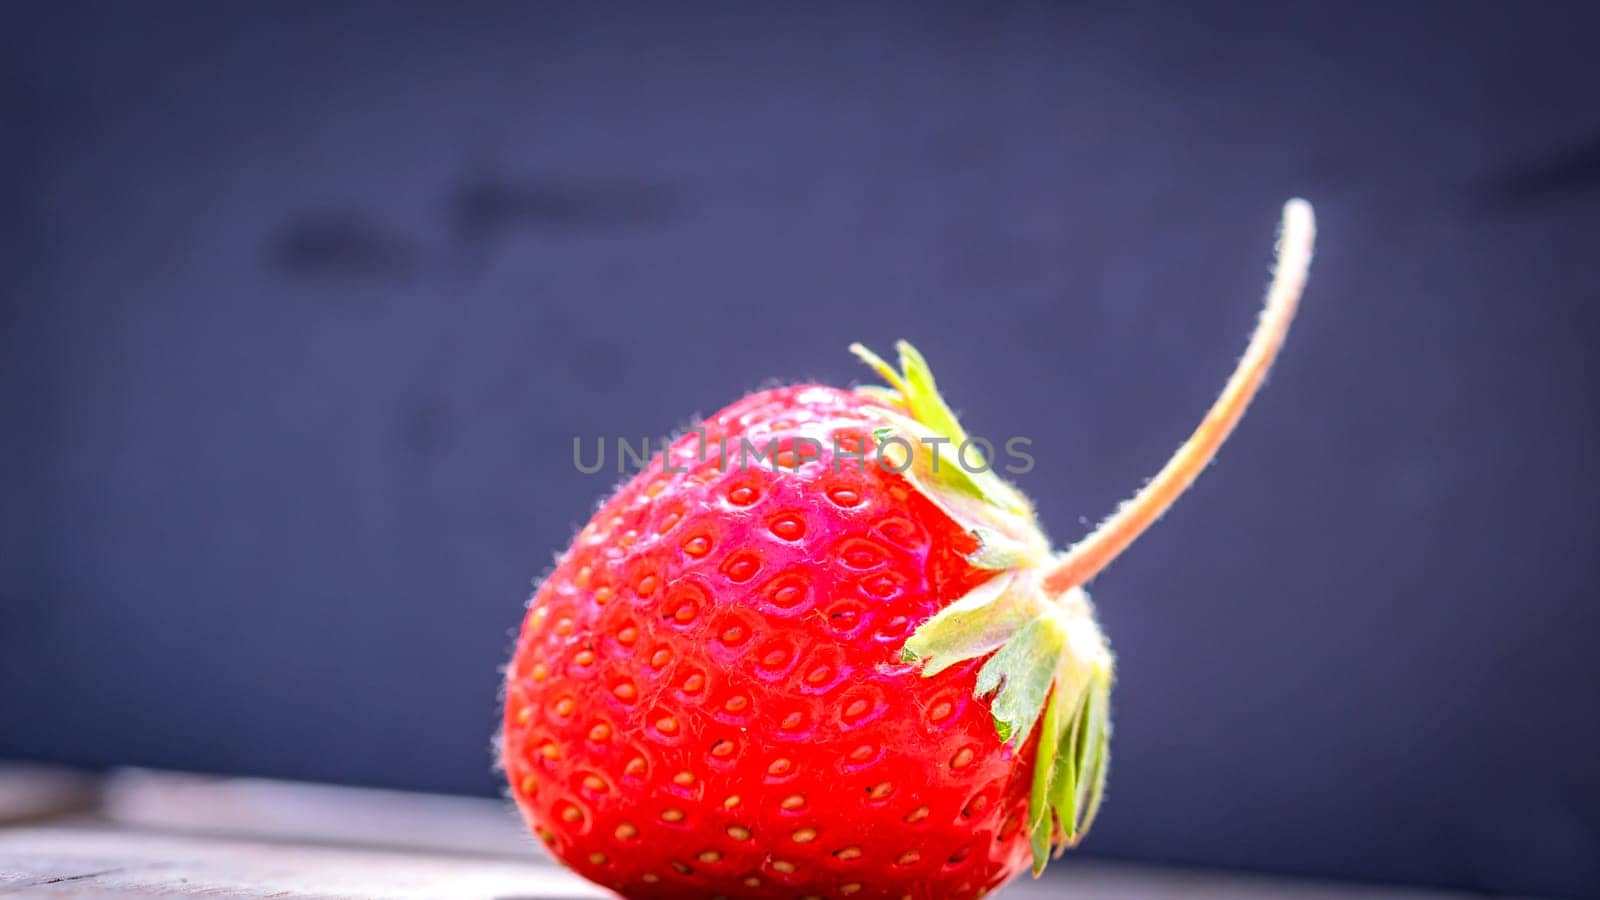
<point x="301" y="307"/>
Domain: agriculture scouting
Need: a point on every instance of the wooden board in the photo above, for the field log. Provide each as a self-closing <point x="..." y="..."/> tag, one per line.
<point x="150" y="834"/>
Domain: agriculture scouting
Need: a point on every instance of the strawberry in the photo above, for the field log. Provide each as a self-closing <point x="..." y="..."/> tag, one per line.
<point x="851" y="668"/>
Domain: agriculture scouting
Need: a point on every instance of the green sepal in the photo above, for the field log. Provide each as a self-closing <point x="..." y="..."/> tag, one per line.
<point x="977" y="624"/>
<point x="1077" y="773"/>
<point x="1041" y="824"/>
<point x="886" y="396"/>
<point x="1019" y="675"/>
<point x="999" y="553"/>
<point x="1096" y="759"/>
<point x="918" y="411"/>
<point x="915" y="383"/>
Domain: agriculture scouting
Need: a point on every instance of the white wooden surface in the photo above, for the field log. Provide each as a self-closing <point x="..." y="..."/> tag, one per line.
<point x="144" y="834"/>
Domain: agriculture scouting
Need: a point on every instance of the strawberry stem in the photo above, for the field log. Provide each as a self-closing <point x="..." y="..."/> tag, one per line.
<point x="1048" y="664"/>
<point x="1092" y="554"/>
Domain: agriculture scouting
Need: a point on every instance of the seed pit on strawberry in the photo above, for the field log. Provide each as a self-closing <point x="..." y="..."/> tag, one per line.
<point x="683" y="612"/>
<point x="787" y="593"/>
<point x="692" y="685"/>
<point x="893" y="630"/>
<point x="941" y="712"/>
<point x="821" y="677"/>
<point x="737" y="705"/>
<point x="849" y="666"/>
<point x="978" y="805"/>
<point x="788" y="526"/>
<point x="646" y="585"/>
<point x="1009" y="828"/>
<point x="733" y="630"/>
<point x="885" y="586"/>
<point x="686" y="790"/>
<point x="861" y="554"/>
<point x="860" y="708"/>
<point x="963" y="758"/>
<point x="744" y="495"/>
<point x="742" y="566"/>
<point x="862" y="756"/>
<point x="844" y="496"/>
<point x="774" y="659"/>
<point x="847" y="618"/>
<point x="698" y="546"/>
<point x="903" y="533"/>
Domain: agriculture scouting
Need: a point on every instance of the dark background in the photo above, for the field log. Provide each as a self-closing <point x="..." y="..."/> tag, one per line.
<point x="302" y="307"/>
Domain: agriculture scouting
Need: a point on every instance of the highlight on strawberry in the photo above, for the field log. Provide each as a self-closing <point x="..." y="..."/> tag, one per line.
<point x="852" y="673"/>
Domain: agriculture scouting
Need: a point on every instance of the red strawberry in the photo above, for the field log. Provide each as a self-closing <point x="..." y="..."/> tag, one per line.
<point x="820" y="673"/>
